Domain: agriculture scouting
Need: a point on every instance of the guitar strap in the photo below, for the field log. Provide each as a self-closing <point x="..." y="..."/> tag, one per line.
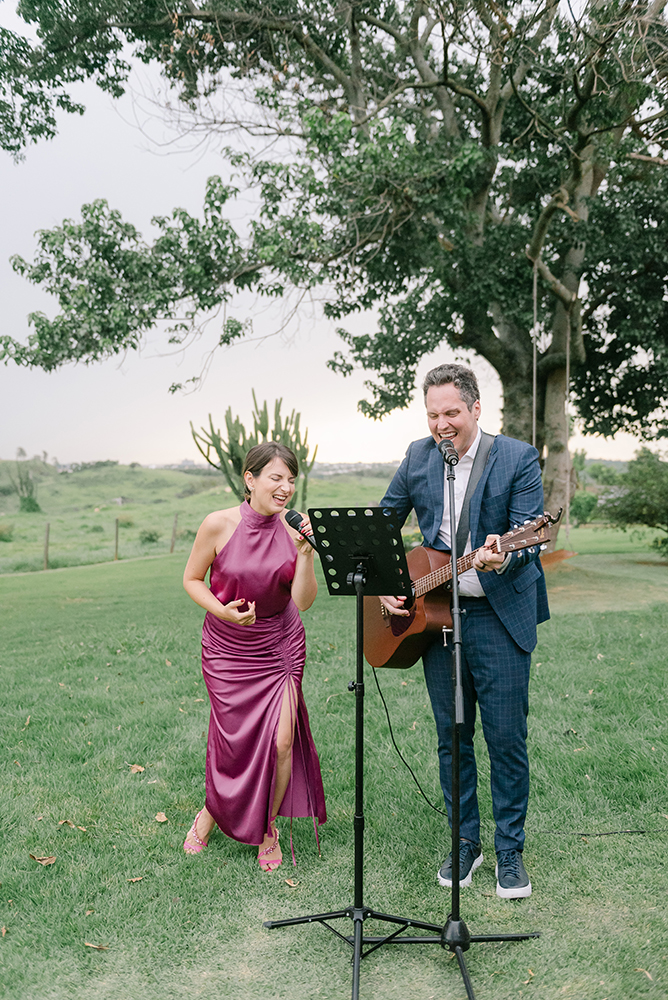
<point x="479" y="463"/>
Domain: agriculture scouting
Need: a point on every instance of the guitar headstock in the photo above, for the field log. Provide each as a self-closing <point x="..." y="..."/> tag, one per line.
<point x="534" y="532"/>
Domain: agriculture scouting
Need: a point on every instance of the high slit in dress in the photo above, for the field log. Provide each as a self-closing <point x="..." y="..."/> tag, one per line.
<point x="246" y="670"/>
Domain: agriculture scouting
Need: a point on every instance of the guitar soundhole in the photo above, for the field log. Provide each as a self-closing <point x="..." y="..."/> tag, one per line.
<point x="400" y="623"/>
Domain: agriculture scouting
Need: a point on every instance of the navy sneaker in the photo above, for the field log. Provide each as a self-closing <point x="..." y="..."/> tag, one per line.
<point x="470" y="858"/>
<point x="512" y="881"/>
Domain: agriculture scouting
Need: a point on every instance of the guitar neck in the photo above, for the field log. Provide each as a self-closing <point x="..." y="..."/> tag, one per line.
<point x="440" y="576"/>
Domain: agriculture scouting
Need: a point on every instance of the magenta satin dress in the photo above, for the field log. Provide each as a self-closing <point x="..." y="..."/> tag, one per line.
<point x="246" y="669"/>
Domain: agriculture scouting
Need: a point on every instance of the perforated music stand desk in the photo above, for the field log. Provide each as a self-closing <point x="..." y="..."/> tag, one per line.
<point x="362" y="552"/>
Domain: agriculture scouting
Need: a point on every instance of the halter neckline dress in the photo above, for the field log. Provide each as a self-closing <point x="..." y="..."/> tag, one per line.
<point x="246" y="669"/>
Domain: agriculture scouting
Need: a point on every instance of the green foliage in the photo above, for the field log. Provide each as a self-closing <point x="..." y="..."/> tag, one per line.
<point x="149" y="536"/>
<point x="642" y="497"/>
<point x="231" y="452"/>
<point x="6" y="532"/>
<point x="24" y="485"/>
<point x="582" y="506"/>
<point x="435" y="147"/>
<point x="604" y="475"/>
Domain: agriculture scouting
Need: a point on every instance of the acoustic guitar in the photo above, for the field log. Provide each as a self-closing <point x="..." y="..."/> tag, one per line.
<point x="400" y="640"/>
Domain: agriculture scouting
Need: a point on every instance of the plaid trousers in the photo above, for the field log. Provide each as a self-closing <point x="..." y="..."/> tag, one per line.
<point x="495" y="674"/>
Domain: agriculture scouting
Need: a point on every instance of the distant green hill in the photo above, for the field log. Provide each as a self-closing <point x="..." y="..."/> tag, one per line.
<point x="81" y="508"/>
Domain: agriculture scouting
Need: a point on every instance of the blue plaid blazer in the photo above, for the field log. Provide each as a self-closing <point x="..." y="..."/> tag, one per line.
<point x="510" y="492"/>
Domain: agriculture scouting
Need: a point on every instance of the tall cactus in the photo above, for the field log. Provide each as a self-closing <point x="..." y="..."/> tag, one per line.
<point x="230" y="453"/>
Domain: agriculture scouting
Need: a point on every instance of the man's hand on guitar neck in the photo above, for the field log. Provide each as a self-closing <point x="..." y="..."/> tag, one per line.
<point x="488" y="557"/>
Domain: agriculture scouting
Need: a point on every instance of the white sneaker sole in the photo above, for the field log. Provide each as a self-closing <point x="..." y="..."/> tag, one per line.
<point x="463" y="882"/>
<point x="520" y="893"/>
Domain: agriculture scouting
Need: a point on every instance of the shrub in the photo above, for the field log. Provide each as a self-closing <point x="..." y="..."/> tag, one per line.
<point x="6" y="532"/>
<point x="148" y="536"/>
<point x="125" y="521"/>
<point x="29" y="505"/>
<point x="583" y="506"/>
<point x="187" y="534"/>
<point x="97" y="528"/>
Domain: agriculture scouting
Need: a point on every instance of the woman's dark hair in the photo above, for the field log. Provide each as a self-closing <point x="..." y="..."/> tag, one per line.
<point x="263" y="454"/>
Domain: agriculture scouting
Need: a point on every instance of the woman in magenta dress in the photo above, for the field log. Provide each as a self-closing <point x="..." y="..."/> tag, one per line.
<point x="261" y="759"/>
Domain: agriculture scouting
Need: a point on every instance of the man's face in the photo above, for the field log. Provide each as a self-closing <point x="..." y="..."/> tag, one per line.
<point x="449" y="417"/>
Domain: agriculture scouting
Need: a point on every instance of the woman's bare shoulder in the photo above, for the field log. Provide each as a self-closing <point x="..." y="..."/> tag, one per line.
<point x="221" y="519"/>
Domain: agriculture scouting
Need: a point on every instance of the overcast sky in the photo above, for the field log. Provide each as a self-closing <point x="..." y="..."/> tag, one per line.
<point x="121" y="409"/>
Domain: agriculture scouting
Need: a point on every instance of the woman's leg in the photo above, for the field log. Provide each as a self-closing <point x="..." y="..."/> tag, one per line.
<point x="284" y="739"/>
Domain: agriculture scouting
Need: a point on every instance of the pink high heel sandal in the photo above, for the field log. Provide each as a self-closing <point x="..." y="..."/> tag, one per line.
<point x="265" y="861"/>
<point x="192" y="832"/>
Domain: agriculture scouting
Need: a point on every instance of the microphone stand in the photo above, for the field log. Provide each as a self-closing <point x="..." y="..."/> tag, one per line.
<point x="455" y="935"/>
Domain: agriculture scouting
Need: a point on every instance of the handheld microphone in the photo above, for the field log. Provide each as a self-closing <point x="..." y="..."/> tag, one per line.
<point x="448" y="451"/>
<point x="294" y="519"/>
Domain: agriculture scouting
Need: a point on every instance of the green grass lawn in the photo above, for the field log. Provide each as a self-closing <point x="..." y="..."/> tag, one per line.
<point x="100" y="666"/>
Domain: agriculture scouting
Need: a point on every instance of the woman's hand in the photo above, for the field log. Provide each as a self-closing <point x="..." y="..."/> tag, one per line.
<point x="229" y="613"/>
<point x="301" y="544"/>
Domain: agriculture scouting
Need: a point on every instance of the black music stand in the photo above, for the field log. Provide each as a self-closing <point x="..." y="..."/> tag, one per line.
<point x="361" y="552"/>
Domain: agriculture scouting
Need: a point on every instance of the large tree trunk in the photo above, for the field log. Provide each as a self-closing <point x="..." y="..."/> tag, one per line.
<point x="518" y="407"/>
<point x="557" y="468"/>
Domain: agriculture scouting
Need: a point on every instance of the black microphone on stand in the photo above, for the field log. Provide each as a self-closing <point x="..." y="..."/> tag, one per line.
<point x="448" y="451"/>
<point x="294" y="519"/>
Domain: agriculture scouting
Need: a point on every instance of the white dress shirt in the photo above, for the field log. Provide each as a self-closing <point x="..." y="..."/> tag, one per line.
<point x="469" y="584"/>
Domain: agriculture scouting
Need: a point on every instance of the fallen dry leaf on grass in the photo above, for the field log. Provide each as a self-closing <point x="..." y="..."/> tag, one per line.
<point x="136" y="768"/>
<point x="27" y="723"/>
<point x="4" y="931"/>
<point x="68" y="821"/>
<point x="137" y="878"/>
<point x="161" y="818"/>
<point x="82" y="828"/>
<point x="16" y="762"/>
<point x="98" y="947"/>
<point x="168" y="663"/>
<point x="293" y="883"/>
<point x="646" y="973"/>
<point x="88" y="912"/>
<point x="44" y="861"/>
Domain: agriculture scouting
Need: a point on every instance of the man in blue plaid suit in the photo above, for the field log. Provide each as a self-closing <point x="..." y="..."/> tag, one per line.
<point x="502" y="599"/>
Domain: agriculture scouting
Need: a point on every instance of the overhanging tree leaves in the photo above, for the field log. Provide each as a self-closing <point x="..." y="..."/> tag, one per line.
<point x="438" y="151"/>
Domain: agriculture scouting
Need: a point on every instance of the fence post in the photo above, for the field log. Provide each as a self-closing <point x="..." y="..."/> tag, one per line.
<point x="171" y="547"/>
<point x="46" y="546"/>
<point x="116" y="543"/>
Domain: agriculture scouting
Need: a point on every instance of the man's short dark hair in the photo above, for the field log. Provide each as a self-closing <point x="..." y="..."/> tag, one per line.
<point x="462" y="378"/>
